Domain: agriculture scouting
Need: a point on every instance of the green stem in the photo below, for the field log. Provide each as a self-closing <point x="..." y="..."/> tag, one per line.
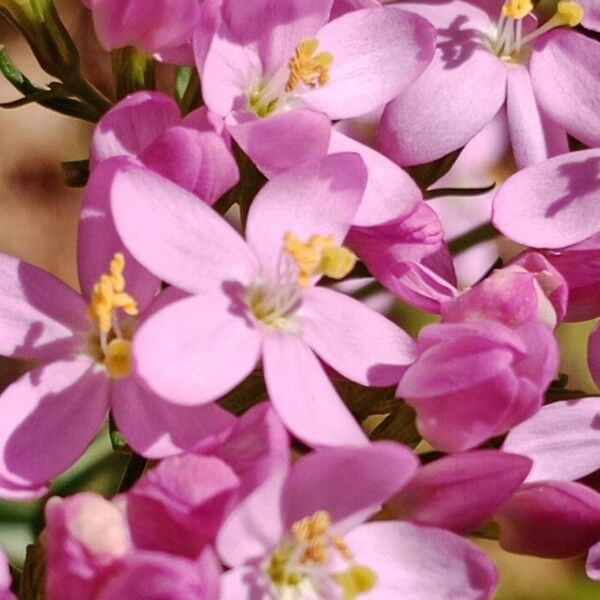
<point x="132" y="71"/>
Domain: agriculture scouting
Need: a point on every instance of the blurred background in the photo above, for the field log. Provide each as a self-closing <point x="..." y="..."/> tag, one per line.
<point x="38" y="218"/>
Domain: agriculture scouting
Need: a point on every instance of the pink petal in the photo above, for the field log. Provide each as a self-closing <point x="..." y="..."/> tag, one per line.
<point x="197" y="349"/>
<point x="132" y="125"/>
<point x="414" y="563"/>
<point x="303" y="395"/>
<point x="341" y="7"/>
<point x="98" y="240"/>
<point x="40" y="315"/>
<point x="35" y="444"/>
<point x="591" y="14"/>
<point x="565" y="71"/>
<point x="377" y="54"/>
<point x="562" y="440"/>
<point x="373" y="352"/>
<point x="593" y="563"/>
<point x="281" y="142"/>
<point x="460" y="491"/>
<point x="524" y="119"/>
<point x="319" y="481"/>
<point x="321" y="197"/>
<point x="20" y="493"/>
<point x="192" y="247"/>
<point x="255" y="525"/>
<point x="243" y="582"/>
<point x="156" y="428"/>
<point x="551" y="519"/>
<point x="390" y="193"/>
<point x="552" y="204"/>
<point x="593" y="354"/>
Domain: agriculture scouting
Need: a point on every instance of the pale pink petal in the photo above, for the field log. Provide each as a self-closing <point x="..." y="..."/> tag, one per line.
<point x="377" y="53"/>
<point x="303" y="395"/>
<point x="414" y="563"/>
<point x="191" y="247"/>
<point x="320" y="197"/>
<point x="553" y="204"/>
<point x="373" y="352"/>
<point x="460" y="491"/>
<point x="48" y="417"/>
<point x="20" y="493"/>
<point x="156" y="428"/>
<point x="244" y="582"/>
<point x="197" y="349"/>
<point x="40" y="315"/>
<point x="132" y="125"/>
<point x="593" y="562"/>
<point x="283" y="141"/>
<point x="565" y="70"/>
<point x="562" y="440"/>
<point x="524" y="119"/>
<point x="98" y="240"/>
<point x="319" y="481"/>
<point x="591" y="14"/>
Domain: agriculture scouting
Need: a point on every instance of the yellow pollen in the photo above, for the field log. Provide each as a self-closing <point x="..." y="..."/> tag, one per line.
<point x="569" y="13"/>
<point x="319" y="256"/>
<point x="117" y="359"/>
<point x="357" y="580"/>
<point x="517" y="9"/>
<point x="109" y="295"/>
<point x="306" y="67"/>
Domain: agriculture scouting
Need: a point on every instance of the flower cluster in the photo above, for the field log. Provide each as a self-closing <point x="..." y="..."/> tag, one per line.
<point x="297" y="443"/>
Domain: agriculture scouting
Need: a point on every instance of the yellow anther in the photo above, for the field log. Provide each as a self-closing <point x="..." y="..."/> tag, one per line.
<point x="319" y="256"/>
<point x="306" y="67"/>
<point x="569" y="13"/>
<point x="117" y="358"/>
<point x="357" y="580"/>
<point x="309" y="528"/>
<point x="109" y="295"/>
<point x="517" y="9"/>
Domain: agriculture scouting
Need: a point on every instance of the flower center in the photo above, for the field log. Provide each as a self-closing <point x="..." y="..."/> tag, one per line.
<point x="302" y="565"/>
<point x="273" y="302"/>
<point x="510" y="41"/>
<point x="110" y="341"/>
<point x="306" y="68"/>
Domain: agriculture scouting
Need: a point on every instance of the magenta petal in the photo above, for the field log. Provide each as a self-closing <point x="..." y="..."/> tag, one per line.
<point x="98" y="240"/>
<point x="156" y="428"/>
<point x="565" y="70"/>
<point x="321" y="197"/>
<point x="593" y="356"/>
<point x="192" y="247"/>
<point x="18" y="493"/>
<point x="551" y="519"/>
<point x="132" y="125"/>
<point x="34" y="444"/>
<point x="524" y="119"/>
<point x="40" y="315"/>
<point x="414" y="563"/>
<point x="304" y="397"/>
<point x="593" y="563"/>
<point x="460" y="491"/>
<point x="341" y="7"/>
<point x="553" y="204"/>
<point x="281" y="142"/>
<point x="318" y="481"/>
<point x="377" y="53"/>
<point x="374" y="352"/>
<point x="197" y="349"/>
<point x="562" y="440"/>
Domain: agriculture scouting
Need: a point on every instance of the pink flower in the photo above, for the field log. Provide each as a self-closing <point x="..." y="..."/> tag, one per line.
<point x="195" y="151"/>
<point x="491" y="54"/>
<point x="257" y="299"/>
<point x="477" y="379"/>
<point x="303" y="534"/>
<point x="278" y="77"/>
<point x="5" y="593"/>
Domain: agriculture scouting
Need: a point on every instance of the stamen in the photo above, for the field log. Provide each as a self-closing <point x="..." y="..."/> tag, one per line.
<point x="117" y="358"/>
<point x="357" y="580"/>
<point x="318" y="256"/>
<point x="307" y="68"/>
<point x="517" y="9"/>
<point x="567" y="14"/>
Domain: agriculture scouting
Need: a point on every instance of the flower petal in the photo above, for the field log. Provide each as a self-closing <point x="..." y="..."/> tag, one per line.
<point x="593" y="563"/>
<point x="373" y="352"/>
<point x="303" y="395"/>
<point x="35" y="444"/>
<point x="562" y="440"/>
<point x="197" y="349"/>
<point x="40" y="314"/>
<point x="321" y="197"/>
<point x="377" y="53"/>
<point x="553" y="204"/>
<point x="192" y="247"/>
<point x="414" y="563"/>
